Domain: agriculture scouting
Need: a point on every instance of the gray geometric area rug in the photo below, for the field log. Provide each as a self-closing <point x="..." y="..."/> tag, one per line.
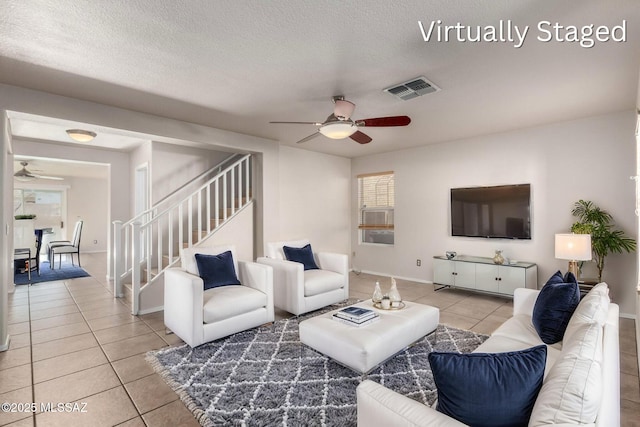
<point x="266" y="377"/>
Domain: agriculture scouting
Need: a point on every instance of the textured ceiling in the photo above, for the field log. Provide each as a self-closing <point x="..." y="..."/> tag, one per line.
<point x="237" y="65"/>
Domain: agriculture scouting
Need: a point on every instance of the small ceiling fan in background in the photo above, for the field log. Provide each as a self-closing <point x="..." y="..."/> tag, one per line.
<point x="26" y="175"/>
<point x="339" y="124"/>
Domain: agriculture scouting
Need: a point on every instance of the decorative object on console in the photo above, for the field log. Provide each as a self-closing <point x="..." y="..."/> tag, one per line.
<point x="574" y="248"/>
<point x="498" y="258"/>
<point x="377" y="293"/>
<point x="604" y="239"/>
<point x="450" y="254"/>
<point x="554" y="307"/>
<point x="394" y="295"/>
<point x="470" y="392"/>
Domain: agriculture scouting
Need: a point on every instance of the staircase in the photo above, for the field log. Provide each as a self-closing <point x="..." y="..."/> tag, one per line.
<point x="145" y="246"/>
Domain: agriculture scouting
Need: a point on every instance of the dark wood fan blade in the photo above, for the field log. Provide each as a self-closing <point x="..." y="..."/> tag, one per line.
<point x="361" y="138"/>
<point x="313" y="135"/>
<point x="300" y="123"/>
<point x="384" y="121"/>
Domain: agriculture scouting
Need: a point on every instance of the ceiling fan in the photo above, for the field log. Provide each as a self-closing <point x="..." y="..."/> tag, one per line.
<point x="339" y="124"/>
<point x="25" y="175"/>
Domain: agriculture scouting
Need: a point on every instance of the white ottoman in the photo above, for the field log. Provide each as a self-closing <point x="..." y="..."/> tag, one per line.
<point x="365" y="347"/>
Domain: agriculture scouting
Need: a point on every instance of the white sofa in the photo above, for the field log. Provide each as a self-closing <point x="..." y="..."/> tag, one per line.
<point x="300" y="291"/>
<point x="582" y="374"/>
<point x="198" y="316"/>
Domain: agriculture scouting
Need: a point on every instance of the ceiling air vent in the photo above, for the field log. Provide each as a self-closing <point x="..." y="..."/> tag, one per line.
<point x="412" y="88"/>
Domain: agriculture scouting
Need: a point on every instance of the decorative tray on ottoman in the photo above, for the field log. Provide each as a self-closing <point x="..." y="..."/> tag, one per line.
<point x="399" y="307"/>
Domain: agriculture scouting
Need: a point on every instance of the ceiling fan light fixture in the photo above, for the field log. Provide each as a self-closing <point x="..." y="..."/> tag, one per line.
<point x="339" y="130"/>
<point x="81" y="135"/>
<point x="343" y="109"/>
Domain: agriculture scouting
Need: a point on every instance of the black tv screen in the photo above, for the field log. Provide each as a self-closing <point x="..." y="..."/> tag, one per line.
<point x="493" y="212"/>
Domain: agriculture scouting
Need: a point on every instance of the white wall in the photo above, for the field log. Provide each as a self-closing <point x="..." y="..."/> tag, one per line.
<point x="315" y="199"/>
<point x="138" y="157"/>
<point x="590" y="158"/>
<point x="174" y="165"/>
<point x="86" y="201"/>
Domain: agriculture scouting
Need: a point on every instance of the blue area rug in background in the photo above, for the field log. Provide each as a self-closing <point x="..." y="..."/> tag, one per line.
<point x="67" y="271"/>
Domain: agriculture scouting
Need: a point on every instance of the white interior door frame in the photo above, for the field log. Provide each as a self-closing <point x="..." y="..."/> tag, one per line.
<point x="142" y="198"/>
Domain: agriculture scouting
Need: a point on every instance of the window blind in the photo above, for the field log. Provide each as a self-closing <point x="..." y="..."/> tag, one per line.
<point x="376" y="198"/>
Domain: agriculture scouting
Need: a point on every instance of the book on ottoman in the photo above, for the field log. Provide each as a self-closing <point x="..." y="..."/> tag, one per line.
<point x="356" y="314"/>
<point x="352" y="322"/>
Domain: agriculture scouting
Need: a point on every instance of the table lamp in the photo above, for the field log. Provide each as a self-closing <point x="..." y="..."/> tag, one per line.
<point x="573" y="247"/>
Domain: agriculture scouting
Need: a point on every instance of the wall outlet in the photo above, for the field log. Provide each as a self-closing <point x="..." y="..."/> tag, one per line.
<point x="419" y="262"/>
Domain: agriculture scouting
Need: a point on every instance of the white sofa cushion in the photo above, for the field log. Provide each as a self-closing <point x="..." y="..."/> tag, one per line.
<point x="320" y="281"/>
<point x="379" y="406"/>
<point x="502" y="344"/>
<point x="593" y="307"/>
<point x="521" y="328"/>
<point x="572" y="392"/>
<point x="585" y="342"/>
<point x="228" y="301"/>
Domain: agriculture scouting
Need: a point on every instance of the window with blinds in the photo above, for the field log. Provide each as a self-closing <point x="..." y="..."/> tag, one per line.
<point x="376" y="198"/>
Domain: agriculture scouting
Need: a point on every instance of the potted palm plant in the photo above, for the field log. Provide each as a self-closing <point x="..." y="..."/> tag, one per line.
<point x="605" y="239"/>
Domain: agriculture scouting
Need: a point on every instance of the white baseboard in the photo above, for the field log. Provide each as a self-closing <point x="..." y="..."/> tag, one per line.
<point x="376" y="273"/>
<point x="5" y="346"/>
<point x="628" y="316"/>
<point x="151" y="310"/>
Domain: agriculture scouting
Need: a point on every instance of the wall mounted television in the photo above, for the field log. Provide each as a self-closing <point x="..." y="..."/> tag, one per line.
<point x="502" y="212"/>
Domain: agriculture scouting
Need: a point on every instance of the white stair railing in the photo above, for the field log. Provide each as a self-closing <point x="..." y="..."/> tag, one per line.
<point x="150" y="242"/>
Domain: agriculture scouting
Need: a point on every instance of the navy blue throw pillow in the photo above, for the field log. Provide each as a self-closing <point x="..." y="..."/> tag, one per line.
<point x="556" y="278"/>
<point x="489" y="389"/>
<point x="553" y="309"/>
<point x="570" y="278"/>
<point x="217" y="270"/>
<point x="303" y="255"/>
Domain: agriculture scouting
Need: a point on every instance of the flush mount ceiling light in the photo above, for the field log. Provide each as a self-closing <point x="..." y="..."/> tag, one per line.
<point x="81" y="135"/>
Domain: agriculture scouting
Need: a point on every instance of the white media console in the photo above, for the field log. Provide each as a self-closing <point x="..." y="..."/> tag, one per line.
<point x="482" y="274"/>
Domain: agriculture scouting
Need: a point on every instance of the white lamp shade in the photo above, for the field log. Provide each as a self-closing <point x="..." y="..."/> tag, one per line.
<point x="573" y="247"/>
<point x="338" y="130"/>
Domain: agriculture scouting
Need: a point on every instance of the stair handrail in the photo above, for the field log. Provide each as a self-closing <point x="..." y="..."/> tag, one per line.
<point x="154" y="208"/>
<point x="131" y="253"/>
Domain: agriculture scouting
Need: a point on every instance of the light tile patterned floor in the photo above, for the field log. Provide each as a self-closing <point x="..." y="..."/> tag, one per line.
<point x="72" y="342"/>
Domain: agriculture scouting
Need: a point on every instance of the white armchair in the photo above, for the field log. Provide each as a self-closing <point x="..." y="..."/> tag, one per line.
<point x="299" y="291"/>
<point x="199" y="316"/>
